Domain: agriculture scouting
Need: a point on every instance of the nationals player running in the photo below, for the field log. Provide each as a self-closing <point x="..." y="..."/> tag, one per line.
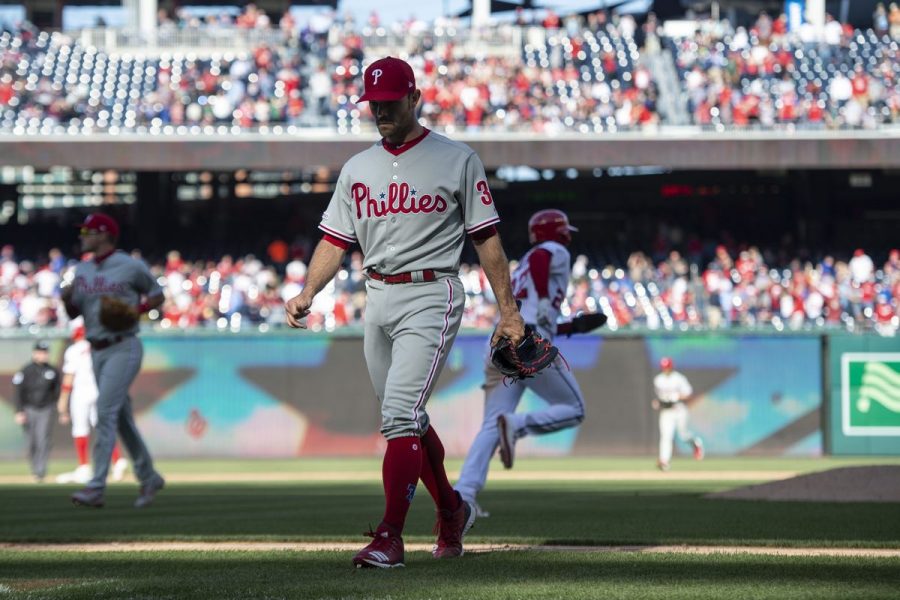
<point x="408" y="201"/>
<point x="116" y="355"/>
<point x="539" y="283"/>
<point x="78" y="404"/>
<point x="672" y="390"/>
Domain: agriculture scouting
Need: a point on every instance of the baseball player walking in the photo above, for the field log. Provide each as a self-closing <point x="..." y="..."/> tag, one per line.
<point x="78" y="405"/>
<point x="672" y="390"/>
<point x="408" y="201"/>
<point x="116" y="355"/>
<point x="539" y="283"/>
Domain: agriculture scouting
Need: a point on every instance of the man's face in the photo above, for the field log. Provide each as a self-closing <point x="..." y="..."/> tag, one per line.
<point x="395" y="117"/>
<point x="40" y="356"/>
<point x="91" y="239"/>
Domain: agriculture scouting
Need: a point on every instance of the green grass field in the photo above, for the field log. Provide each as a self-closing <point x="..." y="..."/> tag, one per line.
<point x="637" y="510"/>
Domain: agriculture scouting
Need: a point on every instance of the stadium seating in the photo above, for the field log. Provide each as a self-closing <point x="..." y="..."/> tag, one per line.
<point x="590" y="78"/>
<point x="731" y="290"/>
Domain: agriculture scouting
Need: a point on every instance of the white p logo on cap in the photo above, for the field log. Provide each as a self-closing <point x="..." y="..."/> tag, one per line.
<point x="375" y="75"/>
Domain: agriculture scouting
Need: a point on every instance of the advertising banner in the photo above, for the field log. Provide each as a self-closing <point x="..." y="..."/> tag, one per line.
<point x="304" y="394"/>
<point x="865" y="394"/>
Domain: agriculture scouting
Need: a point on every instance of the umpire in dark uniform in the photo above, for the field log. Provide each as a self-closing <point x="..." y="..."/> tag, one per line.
<point x="36" y="391"/>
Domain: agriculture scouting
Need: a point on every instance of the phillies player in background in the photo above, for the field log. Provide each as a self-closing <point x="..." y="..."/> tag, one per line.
<point x="539" y="283"/>
<point x="672" y="390"/>
<point x="78" y="405"/>
<point x="116" y="355"/>
<point x="409" y="201"/>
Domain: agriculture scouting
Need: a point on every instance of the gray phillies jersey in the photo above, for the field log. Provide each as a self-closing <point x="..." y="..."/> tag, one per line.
<point x="117" y="275"/>
<point x="408" y="208"/>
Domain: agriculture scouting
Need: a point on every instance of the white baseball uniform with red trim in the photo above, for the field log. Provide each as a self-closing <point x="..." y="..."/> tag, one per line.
<point x="83" y="397"/>
<point x="555" y="385"/>
<point x="672" y="389"/>
<point x="526" y="289"/>
<point x="409" y="208"/>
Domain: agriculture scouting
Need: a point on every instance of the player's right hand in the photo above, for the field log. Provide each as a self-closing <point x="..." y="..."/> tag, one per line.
<point x="296" y="309"/>
<point x="511" y="326"/>
<point x="21" y="418"/>
<point x="63" y="418"/>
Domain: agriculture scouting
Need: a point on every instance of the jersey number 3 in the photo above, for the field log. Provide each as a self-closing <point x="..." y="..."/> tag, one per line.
<point x="486" y="197"/>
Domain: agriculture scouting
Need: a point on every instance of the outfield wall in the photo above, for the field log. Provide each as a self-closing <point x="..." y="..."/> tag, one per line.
<point x="303" y="394"/>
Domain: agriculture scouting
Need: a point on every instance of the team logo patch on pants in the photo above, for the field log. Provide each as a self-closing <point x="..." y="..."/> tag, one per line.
<point x="410" y="491"/>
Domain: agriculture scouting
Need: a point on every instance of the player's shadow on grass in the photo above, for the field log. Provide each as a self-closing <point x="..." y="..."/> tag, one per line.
<point x="567" y="515"/>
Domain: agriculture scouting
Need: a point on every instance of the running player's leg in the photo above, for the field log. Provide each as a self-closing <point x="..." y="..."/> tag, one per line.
<point x="499" y="399"/>
<point x="681" y="424"/>
<point x="666" y="436"/>
<point x="688" y="436"/>
<point x="558" y="387"/>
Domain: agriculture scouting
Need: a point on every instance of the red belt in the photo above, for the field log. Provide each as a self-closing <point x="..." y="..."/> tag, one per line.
<point x="410" y="277"/>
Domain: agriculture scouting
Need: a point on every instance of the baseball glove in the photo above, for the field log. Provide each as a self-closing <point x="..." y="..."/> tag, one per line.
<point x="526" y="359"/>
<point x="117" y="315"/>
<point x="586" y="322"/>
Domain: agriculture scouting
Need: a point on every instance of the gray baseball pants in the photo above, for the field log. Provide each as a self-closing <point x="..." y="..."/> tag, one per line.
<point x="115" y="368"/>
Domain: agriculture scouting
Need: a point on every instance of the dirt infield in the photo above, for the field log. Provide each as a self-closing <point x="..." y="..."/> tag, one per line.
<point x="473" y="548"/>
<point x="847" y="484"/>
<point x="375" y="476"/>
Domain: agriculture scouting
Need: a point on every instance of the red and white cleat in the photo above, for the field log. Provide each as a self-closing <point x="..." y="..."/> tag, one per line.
<point x="384" y="551"/>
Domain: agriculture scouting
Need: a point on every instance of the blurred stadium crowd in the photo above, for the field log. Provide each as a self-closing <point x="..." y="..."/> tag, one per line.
<point x="571" y="73"/>
<point x="736" y="288"/>
<point x="598" y="73"/>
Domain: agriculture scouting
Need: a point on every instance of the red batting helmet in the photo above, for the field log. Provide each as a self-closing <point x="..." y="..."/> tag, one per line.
<point x="550" y="224"/>
<point x="665" y="363"/>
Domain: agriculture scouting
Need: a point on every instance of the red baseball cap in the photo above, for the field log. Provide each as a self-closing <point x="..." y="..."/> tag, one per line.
<point x="665" y="363"/>
<point x="388" y="79"/>
<point x="101" y="222"/>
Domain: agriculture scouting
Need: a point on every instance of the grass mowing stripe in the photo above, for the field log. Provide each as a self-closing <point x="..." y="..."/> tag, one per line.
<point x="574" y="513"/>
<point x="470" y="548"/>
<point x="202" y="575"/>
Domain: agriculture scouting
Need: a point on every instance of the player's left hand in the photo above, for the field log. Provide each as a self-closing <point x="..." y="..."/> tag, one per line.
<point x="511" y="326"/>
<point x="64" y="418"/>
<point x="544" y="320"/>
<point x="296" y="310"/>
